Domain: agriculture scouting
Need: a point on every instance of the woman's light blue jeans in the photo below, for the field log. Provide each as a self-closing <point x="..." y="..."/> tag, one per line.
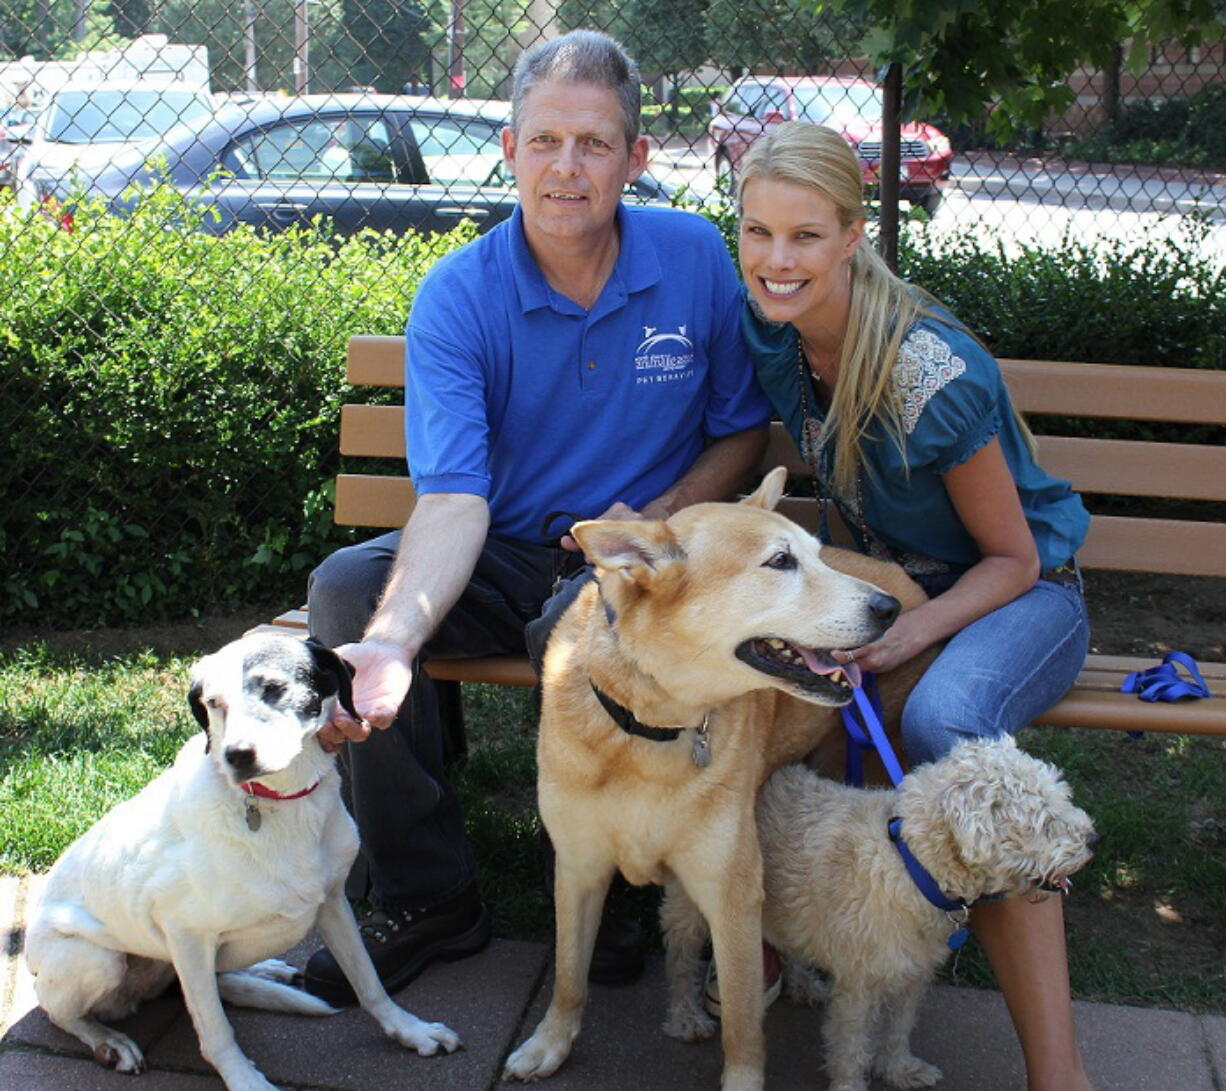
<point x="1000" y="672"/>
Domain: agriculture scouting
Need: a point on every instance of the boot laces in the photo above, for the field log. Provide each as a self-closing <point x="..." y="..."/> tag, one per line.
<point x="381" y="925"/>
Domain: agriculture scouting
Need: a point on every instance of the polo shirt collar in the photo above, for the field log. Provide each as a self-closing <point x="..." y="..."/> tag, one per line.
<point x="637" y="268"/>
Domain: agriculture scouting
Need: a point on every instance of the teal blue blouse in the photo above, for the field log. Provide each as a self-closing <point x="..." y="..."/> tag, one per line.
<point x="954" y="402"/>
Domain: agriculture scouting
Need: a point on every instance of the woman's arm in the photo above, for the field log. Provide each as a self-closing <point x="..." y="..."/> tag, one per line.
<point x="985" y="497"/>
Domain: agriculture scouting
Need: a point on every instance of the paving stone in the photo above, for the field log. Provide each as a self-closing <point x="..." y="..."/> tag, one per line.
<point x="1213" y="1028"/>
<point x="481" y="998"/>
<point x="20" y="1071"/>
<point x="11" y="937"/>
<point x="1143" y="1049"/>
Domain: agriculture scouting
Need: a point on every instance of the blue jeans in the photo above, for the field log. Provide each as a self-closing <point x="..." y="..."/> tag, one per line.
<point x="1000" y="672"/>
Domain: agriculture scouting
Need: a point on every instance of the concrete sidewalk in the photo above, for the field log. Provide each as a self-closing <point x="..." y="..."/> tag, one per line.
<point x="493" y="999"/>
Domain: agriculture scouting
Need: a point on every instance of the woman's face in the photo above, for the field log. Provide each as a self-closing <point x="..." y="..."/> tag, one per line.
<point x="794" y="251"/>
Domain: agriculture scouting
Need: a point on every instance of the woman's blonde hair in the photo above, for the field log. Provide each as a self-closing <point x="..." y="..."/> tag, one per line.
<point x="883" y="307"/>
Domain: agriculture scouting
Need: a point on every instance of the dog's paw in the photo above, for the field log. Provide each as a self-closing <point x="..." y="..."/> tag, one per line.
<point x="804" y="985"/>
<point x="119" y="1052"/>
<point x="425" y="1038"/>
<point x="273" y="969"/>
<point x="689" y="1023"/>
<point x="908" y="1072"/>
<point x="537" y="1057"/>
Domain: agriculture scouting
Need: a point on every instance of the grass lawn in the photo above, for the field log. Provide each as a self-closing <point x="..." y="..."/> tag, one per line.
<point x="81" y="730"/>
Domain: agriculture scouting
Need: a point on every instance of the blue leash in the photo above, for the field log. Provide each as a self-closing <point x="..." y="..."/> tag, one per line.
<point x="1163" y="683"/>
<point x="862" y="719"/>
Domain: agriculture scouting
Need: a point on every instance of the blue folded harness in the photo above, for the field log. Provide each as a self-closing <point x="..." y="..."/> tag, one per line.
<point x="1163" y="682"/>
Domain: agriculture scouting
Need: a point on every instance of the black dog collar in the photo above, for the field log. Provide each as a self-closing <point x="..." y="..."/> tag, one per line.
<point x="626" y="720"/>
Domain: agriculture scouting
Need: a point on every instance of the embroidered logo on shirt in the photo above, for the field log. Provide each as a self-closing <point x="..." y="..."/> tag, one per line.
<point x="925" y="365"/>
<point x="663" y="357"/>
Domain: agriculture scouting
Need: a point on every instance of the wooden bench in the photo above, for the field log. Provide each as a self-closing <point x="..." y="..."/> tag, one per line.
<point x="1107" y="467"/>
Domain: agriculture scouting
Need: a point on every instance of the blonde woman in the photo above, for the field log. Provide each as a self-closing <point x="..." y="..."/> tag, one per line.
<point x="910" y="431"/>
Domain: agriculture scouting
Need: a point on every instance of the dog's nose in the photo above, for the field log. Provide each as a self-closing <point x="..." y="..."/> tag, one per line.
<point x="883" y="607"/>
<point x="1092" y="841"/>
<point x="241" y="757"/>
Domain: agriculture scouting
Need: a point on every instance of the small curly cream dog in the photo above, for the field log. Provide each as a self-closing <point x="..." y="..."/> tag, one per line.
<point x="986" y="819"/>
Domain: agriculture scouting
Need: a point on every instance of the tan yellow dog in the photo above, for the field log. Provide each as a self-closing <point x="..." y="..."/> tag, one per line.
<point x="696" y="664"/>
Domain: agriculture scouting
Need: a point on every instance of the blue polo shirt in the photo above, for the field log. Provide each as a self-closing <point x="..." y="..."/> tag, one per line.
<point x="515" y="393"/>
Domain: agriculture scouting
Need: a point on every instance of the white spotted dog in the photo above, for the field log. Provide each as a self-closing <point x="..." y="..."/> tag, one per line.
<point x="229" y="857"/>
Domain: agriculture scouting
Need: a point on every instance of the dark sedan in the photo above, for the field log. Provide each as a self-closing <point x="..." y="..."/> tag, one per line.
<point x="391" y="163"/>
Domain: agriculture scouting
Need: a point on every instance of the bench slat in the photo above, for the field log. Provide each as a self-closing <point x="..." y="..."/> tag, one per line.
<point x="1116" y="467"/>
<point x="375" y="361"/>
<point x="1179" y="546"/>
<point x="1187" y="395"/>
<point x="367" y="500"/>
<point x="1095" y="701"/>
<point x="1136" y="467"/>
<point x="373" y="431"/>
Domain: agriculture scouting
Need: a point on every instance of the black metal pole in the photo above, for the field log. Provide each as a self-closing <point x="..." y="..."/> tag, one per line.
<point x="891" y="162"/>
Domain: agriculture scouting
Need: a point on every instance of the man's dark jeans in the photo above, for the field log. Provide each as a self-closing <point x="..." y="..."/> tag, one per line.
<point x="415" y="851"/>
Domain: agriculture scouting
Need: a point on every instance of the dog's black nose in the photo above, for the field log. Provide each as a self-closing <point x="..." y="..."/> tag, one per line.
<point x="242" y="758"/>
<point x="883" y="607"/>
<point x="1092" y="841"/>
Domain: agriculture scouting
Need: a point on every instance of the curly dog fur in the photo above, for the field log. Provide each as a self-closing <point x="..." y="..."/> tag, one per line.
<point x="986" y="819"/>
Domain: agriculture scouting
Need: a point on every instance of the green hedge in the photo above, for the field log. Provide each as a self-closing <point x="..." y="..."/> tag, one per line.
<point x="1189" y="132"/>
<point x="169" y="399"/>
<point x="1155" y="301"/>
<point x="169" y="405"/>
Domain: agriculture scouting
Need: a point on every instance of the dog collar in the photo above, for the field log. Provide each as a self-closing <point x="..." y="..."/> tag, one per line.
<point x="629" y="723"/>
<point x="254" y="789"/>
<point x="957" y="911"/>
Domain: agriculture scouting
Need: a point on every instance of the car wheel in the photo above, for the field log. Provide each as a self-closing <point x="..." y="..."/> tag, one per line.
<point x="930" y="201"/>
<point x="724" y="169"/>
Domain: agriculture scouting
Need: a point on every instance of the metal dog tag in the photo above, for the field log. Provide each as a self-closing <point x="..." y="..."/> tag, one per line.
<point x="702" y="746"/>
<point x="253" y="815"/>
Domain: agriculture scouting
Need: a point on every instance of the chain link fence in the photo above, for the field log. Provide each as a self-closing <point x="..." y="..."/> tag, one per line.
<point x="200" y="200"/>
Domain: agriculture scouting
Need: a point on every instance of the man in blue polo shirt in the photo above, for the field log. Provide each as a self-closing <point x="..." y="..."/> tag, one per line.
<point x="581" y="359"/>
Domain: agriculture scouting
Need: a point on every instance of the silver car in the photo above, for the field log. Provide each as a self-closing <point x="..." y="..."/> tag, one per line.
<point x="81" y="129"/>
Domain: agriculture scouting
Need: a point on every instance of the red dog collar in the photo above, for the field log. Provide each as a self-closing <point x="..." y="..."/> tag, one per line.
<point x="254" y="789"/>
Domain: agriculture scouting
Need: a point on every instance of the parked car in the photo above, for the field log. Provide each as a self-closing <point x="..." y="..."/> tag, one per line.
<point x="14" y="124"/>
<point x="852" y="106"/>
<point x="382" y="161"/>
<point x="81" y="128"/>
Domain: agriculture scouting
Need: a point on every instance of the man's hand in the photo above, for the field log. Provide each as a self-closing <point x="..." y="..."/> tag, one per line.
<point x="380" y="684"/>
<point x="617" y="511"/>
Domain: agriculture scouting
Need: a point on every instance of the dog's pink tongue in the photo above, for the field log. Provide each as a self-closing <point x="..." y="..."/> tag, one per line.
<point x="850" y="669"/>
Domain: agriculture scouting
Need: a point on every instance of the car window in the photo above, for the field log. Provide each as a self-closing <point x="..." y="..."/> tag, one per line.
<point x="836" y="105"/>
<point x="758" y="100"/>
<point x="346" y="149"/>
<point x="456" y="150"/>
<point x="104" y="115"/>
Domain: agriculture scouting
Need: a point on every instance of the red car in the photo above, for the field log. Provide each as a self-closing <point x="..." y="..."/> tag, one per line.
<point x="852" y="106"/>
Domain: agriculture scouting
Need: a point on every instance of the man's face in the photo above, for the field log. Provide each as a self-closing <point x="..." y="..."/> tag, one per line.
<point x="570" y="159"/>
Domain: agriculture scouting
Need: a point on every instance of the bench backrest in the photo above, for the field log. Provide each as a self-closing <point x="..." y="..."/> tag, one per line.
<point x="1129" y="468"/>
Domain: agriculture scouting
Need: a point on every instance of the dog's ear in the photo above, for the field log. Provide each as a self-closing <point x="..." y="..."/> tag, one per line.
<point x="770" y="492"/>
<point x="333" y="675"/>
<point x="198" y="710"/>
<point x="637" y="550"/>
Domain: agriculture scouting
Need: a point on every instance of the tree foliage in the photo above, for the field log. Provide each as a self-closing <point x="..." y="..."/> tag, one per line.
<point x="958" y="54"/>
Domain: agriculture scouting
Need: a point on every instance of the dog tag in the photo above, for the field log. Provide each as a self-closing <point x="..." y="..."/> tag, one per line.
<point x="253" y="816"/>
<point x="702" y="746"/>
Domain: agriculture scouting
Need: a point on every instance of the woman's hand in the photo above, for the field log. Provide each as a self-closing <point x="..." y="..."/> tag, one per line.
<point x="903" y="640"/>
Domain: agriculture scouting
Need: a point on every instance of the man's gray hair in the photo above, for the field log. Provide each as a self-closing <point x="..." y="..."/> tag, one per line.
<point x="582" y="56"/>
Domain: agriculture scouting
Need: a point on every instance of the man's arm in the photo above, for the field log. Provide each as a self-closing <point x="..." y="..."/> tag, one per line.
<point x="724" y="468"/>
<point x="438" y="552"/>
